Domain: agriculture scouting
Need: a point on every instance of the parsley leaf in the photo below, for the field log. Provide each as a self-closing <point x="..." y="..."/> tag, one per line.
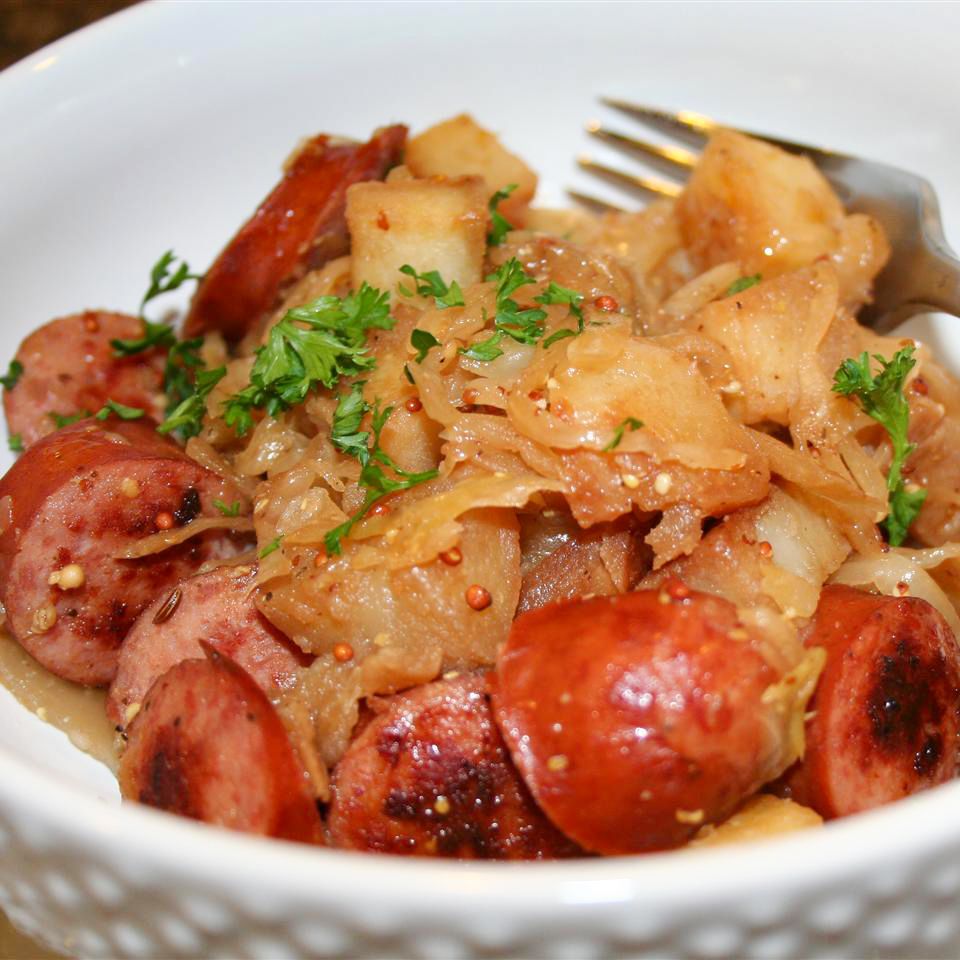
<point x="486" y="349"/>
<point x="882" y="399"/>
<point x="500" y="226"/>
<point x="431" y="284"/>
<point x="64" y="420"/>
<point x="15" y="443"/>
<point x="346" y="435"/>
<point x="163" y="281"/>
<point x="187" y="416"/>
<point x="124" y="413"/>
<point x="556" y="294"/>
<point x="524" y="326"/>
<point x="743" y="283"/>
<point x="352" y="408"/>
<point x="232" y="511"/>
<point x="13" y="374"/>
<point x="295" y="360"/>
<point x="154" y="335"/>
<point x="632" y="422"/>
<point x="423" y="342"/>
<point x="273" y="545"/>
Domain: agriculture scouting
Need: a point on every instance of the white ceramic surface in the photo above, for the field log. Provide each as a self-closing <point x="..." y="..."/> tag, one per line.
<point x="163" y="127"/>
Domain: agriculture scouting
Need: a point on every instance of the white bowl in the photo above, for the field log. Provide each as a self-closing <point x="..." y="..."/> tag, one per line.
<point x="163" y="127"/>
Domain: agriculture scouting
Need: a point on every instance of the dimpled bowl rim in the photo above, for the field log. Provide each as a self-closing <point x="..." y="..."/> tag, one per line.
<point x="158" y="845"/>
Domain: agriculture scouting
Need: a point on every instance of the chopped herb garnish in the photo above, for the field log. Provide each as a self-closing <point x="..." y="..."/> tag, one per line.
<point x="556" y="294"/>
<point x="123" y="412"/>
<point x="524" y="326"/>
<point x="162" y="280"/>
<point x="273" y="545"/>
<point x="431" y="284"/>
<point x="499" y="225"/>
<point x="558" y="335"/>
<point x="743" y="283"/>
<point x="347" y="437"/>
<point x="346" y="434"/>
<point x="408" y="374"/>
<point x="15" y="443"/>
<point x="13" y="374"/>
<point x="296" y="360"/>
<point x="186" y="417"/>
<point x="486" y="350"/>
<point x="64" y="420"/>
<point x="632" y="422"/>
<point x="232" y="511"/>
<point x="154" y="335"/>
<point x="882" y="399"/>
<point x="423" y="342"/>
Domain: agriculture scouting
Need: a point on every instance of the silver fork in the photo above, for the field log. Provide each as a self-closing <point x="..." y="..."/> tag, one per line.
<point x="923" y="273"/>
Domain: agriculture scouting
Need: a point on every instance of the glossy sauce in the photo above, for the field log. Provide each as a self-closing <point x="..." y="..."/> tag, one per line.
<point x="77" y="711"/>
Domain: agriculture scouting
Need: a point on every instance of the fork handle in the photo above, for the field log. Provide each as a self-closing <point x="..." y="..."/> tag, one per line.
<point x="925" y="275"/>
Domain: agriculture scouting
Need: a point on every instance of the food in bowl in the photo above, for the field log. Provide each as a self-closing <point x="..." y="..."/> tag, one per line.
<point x="455" y="527"/>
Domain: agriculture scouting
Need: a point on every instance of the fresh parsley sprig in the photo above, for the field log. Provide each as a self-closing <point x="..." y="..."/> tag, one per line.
<point x="186" y="417"/>
<point x="555" y="294"/>
<point x="431" y="284"/>
<point x="632" y="422"/>
<point x="118" y="409"/>
<point x="312" y="345"/>
<point x="348" y="438"/>
<point x="524" y="326"/>
<point x="499" y="225"/>
<point x="15" y="443"/>
<point x="882" y="399"/>
<point x="423" y="341"/>
<point x="13" y="374"/>
<point x="64" y="420"/>
<point x="742" y="283"/>
<point x="163" y="280"/>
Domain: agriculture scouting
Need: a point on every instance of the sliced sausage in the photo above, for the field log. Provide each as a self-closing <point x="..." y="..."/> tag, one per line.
<point x="430" y="776"/>
<point x="218" y="607"/>
<point x="298" y="227"/>
<point x="70" y="504"/>
<point x="886" y="711"/>
<point x="208" y="745"/>
<point x="69" y="366"/>
<point x="636" y="719"/>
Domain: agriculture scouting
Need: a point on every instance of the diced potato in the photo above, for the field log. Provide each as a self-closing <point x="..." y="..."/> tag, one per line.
<point x="772" y="211"/>
<point x="429" y="224"/>
<point x="461" y="147"/>
<point x="760" y="818"/>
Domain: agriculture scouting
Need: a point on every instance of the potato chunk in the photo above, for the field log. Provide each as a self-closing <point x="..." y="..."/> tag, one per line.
<point x="460" y="147"/>
<point x="429" y="224"/>
<point x="774" y="212"/>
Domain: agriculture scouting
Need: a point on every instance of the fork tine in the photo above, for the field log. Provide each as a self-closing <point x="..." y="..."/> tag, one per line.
<point x="690" y="127"/>
<point x="696" y="128"/>
<point x="643" y="185"/>
<point x="594" y="203"/>
<point x="674" y="160"/>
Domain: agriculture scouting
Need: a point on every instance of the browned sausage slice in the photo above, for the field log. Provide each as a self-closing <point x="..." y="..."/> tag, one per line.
<point x="636" y="719"/>
<point x="299" y="226"/>
<point x="218" y="607"/>
<point x="208" y="745"/>
<point x="430" y="776"/>
<point x="67" y="507"/>
<point x="69" y="366"/>
<point x="886" y="712"/>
